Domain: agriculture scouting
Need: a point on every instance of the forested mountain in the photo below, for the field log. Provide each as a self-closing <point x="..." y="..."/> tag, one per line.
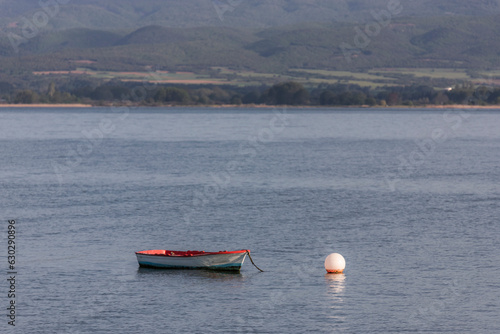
<point x="449" y="42"/>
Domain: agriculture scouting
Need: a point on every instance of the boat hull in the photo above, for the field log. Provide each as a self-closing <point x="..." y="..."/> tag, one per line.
<point x="231" y="261"/>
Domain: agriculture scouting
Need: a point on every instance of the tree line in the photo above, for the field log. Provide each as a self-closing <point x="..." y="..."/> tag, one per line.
<point x="285" y="93"/>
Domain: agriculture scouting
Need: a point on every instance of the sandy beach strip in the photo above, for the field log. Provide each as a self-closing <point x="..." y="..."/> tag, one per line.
<point x="46" y="105"/>
<point x="81" y="105"/>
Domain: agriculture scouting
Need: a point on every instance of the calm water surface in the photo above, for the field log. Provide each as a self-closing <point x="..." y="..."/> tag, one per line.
<point x="410" y="198"/>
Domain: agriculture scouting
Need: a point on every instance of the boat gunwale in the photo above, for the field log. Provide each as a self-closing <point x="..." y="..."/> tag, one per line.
<point x="187" y="254"/>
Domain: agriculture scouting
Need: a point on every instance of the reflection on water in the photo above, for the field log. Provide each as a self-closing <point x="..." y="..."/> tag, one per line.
<point x="335" y="294"/>
<point x="336" y="284"/>
<point x="192" y="273"/>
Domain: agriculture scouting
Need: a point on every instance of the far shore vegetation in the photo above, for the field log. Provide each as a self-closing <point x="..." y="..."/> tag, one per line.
<point x="87" y="92"/>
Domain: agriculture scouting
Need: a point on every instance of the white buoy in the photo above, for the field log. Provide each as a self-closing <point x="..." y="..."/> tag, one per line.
<point x="335" y="263"/>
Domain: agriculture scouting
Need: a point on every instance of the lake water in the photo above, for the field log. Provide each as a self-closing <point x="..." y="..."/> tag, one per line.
<point x="410" y="198"/>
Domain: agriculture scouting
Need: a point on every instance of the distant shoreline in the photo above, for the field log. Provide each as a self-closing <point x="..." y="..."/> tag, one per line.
<point x="46" y="105"/>
<point x="81" y="105"/>
<point x="453" y="106"/>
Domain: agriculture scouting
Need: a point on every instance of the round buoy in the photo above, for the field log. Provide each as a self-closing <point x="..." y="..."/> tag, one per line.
<point x="334" y="263"/>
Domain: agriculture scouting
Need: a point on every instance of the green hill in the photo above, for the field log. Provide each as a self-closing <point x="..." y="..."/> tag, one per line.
<point x="60" y="40"/>
<point x="154" y="35"/>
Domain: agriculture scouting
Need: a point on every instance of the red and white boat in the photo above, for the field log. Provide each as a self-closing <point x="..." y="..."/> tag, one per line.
<point x="161" y="258"/>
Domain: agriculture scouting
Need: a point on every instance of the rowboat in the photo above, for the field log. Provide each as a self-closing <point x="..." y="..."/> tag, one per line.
<point x="161" y="258"/>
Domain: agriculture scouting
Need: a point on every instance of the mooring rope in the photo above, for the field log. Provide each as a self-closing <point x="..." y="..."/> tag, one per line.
<point x="250" y="257"/>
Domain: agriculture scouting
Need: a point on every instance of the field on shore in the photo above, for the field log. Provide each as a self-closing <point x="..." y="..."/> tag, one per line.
<point x="438" y="78"/>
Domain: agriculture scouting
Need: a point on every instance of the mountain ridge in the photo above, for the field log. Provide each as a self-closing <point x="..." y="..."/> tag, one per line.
<point x="127" y="14"/>
<point x="465" y="42"/>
